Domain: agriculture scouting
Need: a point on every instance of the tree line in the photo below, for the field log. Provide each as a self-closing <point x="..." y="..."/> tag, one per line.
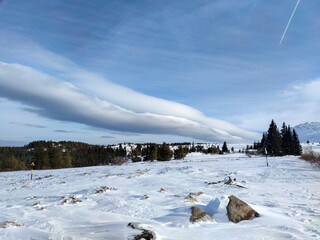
<point x="66" y="154"/>
<point x="279" y="143"/>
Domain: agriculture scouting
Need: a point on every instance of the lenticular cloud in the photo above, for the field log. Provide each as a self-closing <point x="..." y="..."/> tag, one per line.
<point x="97" y="102"/>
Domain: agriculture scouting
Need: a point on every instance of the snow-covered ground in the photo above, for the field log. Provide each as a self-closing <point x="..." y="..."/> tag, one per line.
<point x="311" y="146"/>
<point x="286" y="194"/>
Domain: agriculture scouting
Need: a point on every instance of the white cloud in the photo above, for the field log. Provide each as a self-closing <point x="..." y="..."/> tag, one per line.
<point x="61" y="100"/>
<point x="124" y="105"/>
<point x="297" y="104"/>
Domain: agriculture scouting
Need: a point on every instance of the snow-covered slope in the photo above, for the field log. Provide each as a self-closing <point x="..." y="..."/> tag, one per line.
<point x="72" y="204"/>
<point x="308" y="131"/>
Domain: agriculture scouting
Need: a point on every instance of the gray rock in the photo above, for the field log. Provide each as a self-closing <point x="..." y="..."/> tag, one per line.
<point x="238" y="210"/>
<point x="146" y="234"/>
<point x="198" y="214"/>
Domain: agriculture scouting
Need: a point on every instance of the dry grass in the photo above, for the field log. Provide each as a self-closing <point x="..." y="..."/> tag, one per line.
<point x="312" y="157"/>
<point x="118" y="161"/>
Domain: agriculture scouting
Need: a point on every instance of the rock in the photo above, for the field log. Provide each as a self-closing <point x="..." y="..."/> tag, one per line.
<point x="104" y="189"/>
<point x="227" y="180"/>
<point x="145" y="196"/>
<point x="134" y="225"/>
<point x="162" y="190"/>
<point x="75" y="200"/>
<point x="138" y="174"/>
<point x="238" y="210"/>
<point x="191" y="199"/>
<point x="198" y="215"/>
<point x="7" y="224"/>
<point x="146" y="234"/>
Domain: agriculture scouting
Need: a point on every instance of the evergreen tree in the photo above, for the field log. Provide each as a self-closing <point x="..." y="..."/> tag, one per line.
<point x="51" y="156"/>
<point x="121" y="152"/>
<point x="152" y="152"/>
<point x="297" y="149"/>
<point x="40" y="157"/>
<point x="286" y="135"/>
<point x="164" y="153"/>
<point x="225" y="147"/>
<point x="135" y="153"/>
<point x="10" y="163"/>
<point x="273" y="140"/>
<point x="67" y="160"/>
<point x="263" y="141"/>
<point x="179" y="153"/>
<point x="55" y="156"/>
<point x="192" y="149"/>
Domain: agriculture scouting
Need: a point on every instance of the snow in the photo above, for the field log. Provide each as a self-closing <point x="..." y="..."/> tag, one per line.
<point x="286" y="194"/>
<point x="311" y="147"/>
<point x="308" y="131"/>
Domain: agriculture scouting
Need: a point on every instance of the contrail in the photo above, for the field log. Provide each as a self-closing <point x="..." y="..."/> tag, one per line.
<point x="294" y="10"/>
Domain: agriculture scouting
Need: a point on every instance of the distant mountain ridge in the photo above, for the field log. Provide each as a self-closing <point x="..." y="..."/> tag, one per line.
<point x="308" y="131"/>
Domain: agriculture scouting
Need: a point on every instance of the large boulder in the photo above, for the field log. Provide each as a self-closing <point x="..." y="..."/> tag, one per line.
<point x="238" y="210"/>
<point x="198" y="214"/>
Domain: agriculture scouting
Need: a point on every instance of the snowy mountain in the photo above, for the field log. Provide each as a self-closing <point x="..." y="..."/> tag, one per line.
<point x="308" y="131"/>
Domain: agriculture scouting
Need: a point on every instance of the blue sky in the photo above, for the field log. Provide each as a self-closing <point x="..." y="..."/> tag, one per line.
<point x="139" y="71"/>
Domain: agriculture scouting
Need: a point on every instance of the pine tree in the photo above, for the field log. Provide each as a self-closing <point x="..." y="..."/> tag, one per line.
<point x="179" y="153"/>
<point x="286" y="139"/>
<point x="225" y="147"/>
<point x="38" y="157"/>
<point x="152" y="152"/>
<point x="55" y="156"/>
<point x="273" y="140"/>
<point x="51" y="156"/>
<point x="297" y="149"/>
<point x="263" y="141"/>
<point x="10" y="163"/>
<point x="67" y="160"/>
<point x="164" y="153"/>
<point x="192" y="149"/>
<point x="289" y="139"/>
<point x="135" y="154"/>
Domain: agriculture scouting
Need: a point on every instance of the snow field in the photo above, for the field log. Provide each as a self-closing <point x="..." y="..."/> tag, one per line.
<point x="67" y="203"/>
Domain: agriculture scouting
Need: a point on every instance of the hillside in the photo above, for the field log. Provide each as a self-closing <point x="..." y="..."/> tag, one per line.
<point x="308" y="131"/>
<point x="99" y="202"/>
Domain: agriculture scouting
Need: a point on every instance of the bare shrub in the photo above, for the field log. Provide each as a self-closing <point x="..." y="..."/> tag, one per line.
<point x="253" y="152"/>
<point x="311" y="156"/>
<point x="136" y="159"/>
<point x="118" y="161"/>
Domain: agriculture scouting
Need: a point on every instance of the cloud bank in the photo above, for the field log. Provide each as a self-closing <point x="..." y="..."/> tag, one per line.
<point x="97" y="102"/>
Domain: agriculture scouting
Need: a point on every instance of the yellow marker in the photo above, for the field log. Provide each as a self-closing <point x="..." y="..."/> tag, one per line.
<point x="32" y="164"/>
<point x="265" y="150"/>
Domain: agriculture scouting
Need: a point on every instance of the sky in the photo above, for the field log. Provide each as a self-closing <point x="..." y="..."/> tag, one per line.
<point x="105" y="72"/>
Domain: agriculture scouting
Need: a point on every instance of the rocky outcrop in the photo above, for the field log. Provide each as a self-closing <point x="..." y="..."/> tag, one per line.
<point x="199" y="215"/>
<point x="238" y="210"/>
